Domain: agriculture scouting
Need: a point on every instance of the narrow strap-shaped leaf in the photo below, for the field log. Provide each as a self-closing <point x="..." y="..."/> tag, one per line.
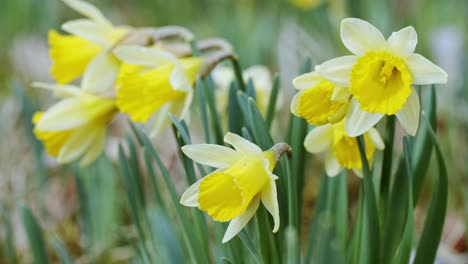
<point x="406" y="244"/>
<point x="435" y="217"/>
<point x="247" y="240"/>
<point x="203" y="112"/>
<point x="208" y="90"/>
<point x="372" y="213"/>
<point x="62" y="253"/>
<point x="272" y="101"/>
<point x="235" y="119"/>
<point x="35" y="236"/>
<point x="9" y="246"/>
<point x="422" y="143"/>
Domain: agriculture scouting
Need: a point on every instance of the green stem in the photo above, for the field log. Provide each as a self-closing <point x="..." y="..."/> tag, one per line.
<point x="387" y="165"/>
<point x="238" y="73"/>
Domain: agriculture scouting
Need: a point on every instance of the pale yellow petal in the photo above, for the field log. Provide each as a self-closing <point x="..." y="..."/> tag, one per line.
<point x="403" y="42"/>
<point x="95" y="148"/>
<point x="241" y="144"/>
<point x="332" y="167"/>
<point x="338" y="70"/>
<point x="376" y="139"/>
<point x="424" y="71"/>
<point x="307" y="80"/>
<point x="409" y="115"/>
<point x="77" y="144"/>
<point x="88" y="10"/>
<point x="270" y="201"/>
<point x="101" y="74"/>
<point x="90" y="30"/>
<point x="62" y="91"/>
<point x="236" y="224"/>
<point x="144" y="56"/>
<point x="319" y="139"/>
<point x="358" y="121"/>
<point x="360" y="36"/>
<point x="212" y="155"/>
<point x="190" y="196"/>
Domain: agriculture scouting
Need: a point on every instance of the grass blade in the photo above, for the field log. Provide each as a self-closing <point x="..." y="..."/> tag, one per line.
<point x="35" y="237"/>
<point x="272" y="101"/>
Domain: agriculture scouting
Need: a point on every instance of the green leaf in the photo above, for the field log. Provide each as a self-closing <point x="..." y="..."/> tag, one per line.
<point x="422" y="144"/>
<point x="208" y="91"/>
<point x="247" y="240"/>
<point x="9" y="248"/>
<point x="370" y="205"/>
<point x="203" y="111"/>
<point x="235" y="119"/>
<point x="35" y="236"/>
<point x="435" y="217"/>
<point x="62" y="252"/>
<point x="406" y="244"/>
<point x="271" y="110"/>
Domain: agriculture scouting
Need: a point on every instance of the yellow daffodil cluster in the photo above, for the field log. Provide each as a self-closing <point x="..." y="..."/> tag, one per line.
<point x="346" y="96"/>
<point x="118" y="74"/>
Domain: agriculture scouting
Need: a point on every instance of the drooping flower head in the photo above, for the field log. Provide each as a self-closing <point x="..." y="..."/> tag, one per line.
<point x="380" y="75"/>
<point x="233" y="192"/>
<point x="86" y="50"/>
<point x="74" y="127"/>
<point x="342" y="150"/>
<point x="152" y="80"/>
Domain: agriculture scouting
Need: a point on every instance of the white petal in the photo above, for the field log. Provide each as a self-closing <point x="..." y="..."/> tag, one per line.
<point x="360" y="36"/>
<point x="77" y="144"/>
<point x="66" y="114"/>
<point x="212" y="155"/>
<point x="376" y="139"/>
<point x="94" y="149"/>
<point x="307" y="80"/>
<point x="101" y="73"/>
<point x="295" y="102"/>
<point x="190" y="196"/>
<point x="358" y="172"/>
<point x="424" y="71"/>
<point x="236" y="225"/>
<point x="338" y="70"/>
<point x="90" y="30"/>
<point x="161" y="120"/>
<point x="409" y="114"/>
<point x="319" y="139"/>
<point x="222" y="77"/>
<point x="143" y="56"/>
<point x="340" y="94"/>
<point x="179" y="80"/>
<point x="88" y="10"/>
<point x="403" y="42"/>
<point x="241" y="144"/>
<point x="358" y="121"/>
<point x="62" y="91"/>
<point x="270" y="201"/>
<point x="260" y="75"/>
<point x="332" y="167"/>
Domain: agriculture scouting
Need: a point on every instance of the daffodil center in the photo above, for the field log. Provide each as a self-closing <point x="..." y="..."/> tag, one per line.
<point x="380" y="82"/>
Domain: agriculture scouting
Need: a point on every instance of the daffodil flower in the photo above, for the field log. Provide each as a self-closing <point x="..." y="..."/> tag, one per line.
<point x="319" y="101"/>
<point x="380" y="75"/>
<point x="86" y="50"/>
<point x="261" y="78"/>
<point x="75" y="127"/>
<point x="153" y="80"/>
<point x="233" y="192"/>
<point x="342" y="150"/>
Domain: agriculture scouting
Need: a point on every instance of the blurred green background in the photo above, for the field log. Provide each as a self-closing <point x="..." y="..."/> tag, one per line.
<point x="279" y="34"/>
